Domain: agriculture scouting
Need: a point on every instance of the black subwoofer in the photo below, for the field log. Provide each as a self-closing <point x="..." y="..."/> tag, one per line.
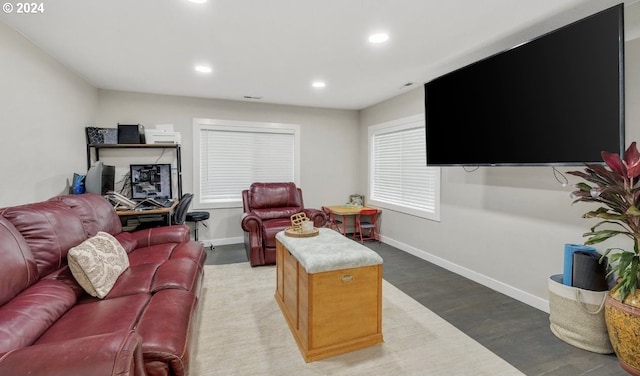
<point x="588" y="272"/>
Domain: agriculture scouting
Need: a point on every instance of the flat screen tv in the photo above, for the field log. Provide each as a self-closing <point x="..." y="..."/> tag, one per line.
<point x="555" y="100"/>
<point x="150" y="181"/>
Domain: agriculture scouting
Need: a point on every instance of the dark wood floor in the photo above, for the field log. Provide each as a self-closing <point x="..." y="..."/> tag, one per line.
<point x="513" y="330"/>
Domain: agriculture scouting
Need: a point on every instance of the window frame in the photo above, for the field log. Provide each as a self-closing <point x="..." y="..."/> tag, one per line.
<point x="398" y="125"/>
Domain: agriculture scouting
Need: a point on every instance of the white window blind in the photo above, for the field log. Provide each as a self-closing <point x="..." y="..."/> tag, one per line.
<point x="232" y="155"/>
<point x="399" y="177"/>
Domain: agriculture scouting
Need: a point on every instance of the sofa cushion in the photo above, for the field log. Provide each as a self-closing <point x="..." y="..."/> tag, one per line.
<point x="50" y="229"/>
<point x="95" y="317"/>
<point x="155" y="254"/>
<point x="18" y="268"/>
<point x="274" y="195"/>
<point x="192" y="250"/>
<point x="271" y="228"/>
<point x="95" y="211"/>
<point x="97" y="263"/>
<point x="277" y="213"/>
<point x="183" y="274"/>
<point x="30" y="314"/>
<point x="137" y="279"/>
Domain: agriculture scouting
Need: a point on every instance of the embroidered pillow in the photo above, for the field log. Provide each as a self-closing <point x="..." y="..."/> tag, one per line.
<point x="97" y="263"/>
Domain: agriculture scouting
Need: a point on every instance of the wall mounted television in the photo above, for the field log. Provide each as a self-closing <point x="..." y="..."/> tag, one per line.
<point x="555" y="100"/>
<point x="150" y="181"/>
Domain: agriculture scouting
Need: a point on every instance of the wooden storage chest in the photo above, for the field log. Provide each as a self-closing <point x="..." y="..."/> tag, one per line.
<point x="329" y="311"/>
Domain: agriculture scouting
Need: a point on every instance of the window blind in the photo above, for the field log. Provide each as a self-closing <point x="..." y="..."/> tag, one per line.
<point x="231" y="158"/>
<point x="399" y="177"/>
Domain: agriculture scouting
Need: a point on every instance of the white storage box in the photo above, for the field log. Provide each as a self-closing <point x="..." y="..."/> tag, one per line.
<point x="159" y="136"/>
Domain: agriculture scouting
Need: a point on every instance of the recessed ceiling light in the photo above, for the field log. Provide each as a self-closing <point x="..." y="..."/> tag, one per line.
<point x="319" y="84"/>
<point x="203" y="69"/>
<point x="198" y="1"/>
<point x="378" y="38"/>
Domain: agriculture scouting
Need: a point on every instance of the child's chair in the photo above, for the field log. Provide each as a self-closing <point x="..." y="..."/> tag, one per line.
<point x="367" y="221"/>
<point x="332" y="222"/>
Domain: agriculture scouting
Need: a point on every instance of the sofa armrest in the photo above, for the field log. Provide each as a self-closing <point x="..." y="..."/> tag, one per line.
<point x="117" y="353"/>
<point x="318" y="217"/>
<point x="161" y="235"/>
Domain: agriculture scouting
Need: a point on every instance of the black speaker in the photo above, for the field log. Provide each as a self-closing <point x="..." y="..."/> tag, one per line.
<point x="588" y="273"/>
<point x="130" y="133"/>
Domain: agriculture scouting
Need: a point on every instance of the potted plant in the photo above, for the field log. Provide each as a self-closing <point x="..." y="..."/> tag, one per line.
<point x="616" y="186"/>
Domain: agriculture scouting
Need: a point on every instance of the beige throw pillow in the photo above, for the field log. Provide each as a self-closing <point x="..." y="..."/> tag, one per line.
<point x="97" y="263"/>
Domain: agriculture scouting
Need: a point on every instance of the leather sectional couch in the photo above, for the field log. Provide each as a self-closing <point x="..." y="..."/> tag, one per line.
<point x="50" y="325"/>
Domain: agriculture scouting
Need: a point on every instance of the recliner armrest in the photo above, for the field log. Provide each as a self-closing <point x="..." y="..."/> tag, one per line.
<point x="251" y="222"/>
<point x="318" y="217"/>
<point x="118" y="353"/>
<point x="252" y="226"/>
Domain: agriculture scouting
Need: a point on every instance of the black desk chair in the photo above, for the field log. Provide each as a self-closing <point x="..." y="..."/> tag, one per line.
<point x="180" y="212"/>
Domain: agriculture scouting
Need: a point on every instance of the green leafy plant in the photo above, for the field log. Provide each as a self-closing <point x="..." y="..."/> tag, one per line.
<point x="617" y="187"/>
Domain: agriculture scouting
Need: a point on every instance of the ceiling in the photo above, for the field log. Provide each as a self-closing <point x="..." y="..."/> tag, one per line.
<point x="271" y="50"/>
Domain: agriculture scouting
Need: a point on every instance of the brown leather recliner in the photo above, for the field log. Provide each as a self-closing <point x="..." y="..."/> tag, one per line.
<point x="267" y="210"/>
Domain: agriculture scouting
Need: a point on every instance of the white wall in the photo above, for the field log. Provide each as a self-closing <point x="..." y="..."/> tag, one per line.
<point x="504" y="227"/>
<point x="329" y="165"/>
<point x="44" y="109"/>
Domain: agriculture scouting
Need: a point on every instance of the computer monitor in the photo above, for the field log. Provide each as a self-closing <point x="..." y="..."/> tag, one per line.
<point x="150" y="181"/>
<point x="100" y="178"/>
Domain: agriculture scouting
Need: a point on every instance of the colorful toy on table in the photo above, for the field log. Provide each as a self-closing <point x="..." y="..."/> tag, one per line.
<point x="355" y="201"/>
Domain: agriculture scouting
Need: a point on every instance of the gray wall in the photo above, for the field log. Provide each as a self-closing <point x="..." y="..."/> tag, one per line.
<point x="44" y="109"/>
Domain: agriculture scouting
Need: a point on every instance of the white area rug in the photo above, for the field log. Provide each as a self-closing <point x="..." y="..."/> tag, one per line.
<point x="243" y="332"/>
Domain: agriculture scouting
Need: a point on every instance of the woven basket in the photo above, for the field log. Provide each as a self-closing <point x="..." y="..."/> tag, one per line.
<point x="576" y="316"/>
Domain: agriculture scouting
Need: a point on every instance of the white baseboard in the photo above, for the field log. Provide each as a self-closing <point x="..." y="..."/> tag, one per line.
<point x="529" y="299"/>
<point x="222" y="241"/>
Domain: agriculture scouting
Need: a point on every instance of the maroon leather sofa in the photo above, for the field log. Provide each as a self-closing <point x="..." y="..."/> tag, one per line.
<point x="50" y="326"/>
<point x="268" y="208"/>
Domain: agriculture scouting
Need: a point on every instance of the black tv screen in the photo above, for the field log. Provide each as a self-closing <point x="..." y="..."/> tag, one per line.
<point x="556" y="100"/>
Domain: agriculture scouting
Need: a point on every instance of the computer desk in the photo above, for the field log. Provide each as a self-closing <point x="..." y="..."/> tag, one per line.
<point x="166" y="213"/>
